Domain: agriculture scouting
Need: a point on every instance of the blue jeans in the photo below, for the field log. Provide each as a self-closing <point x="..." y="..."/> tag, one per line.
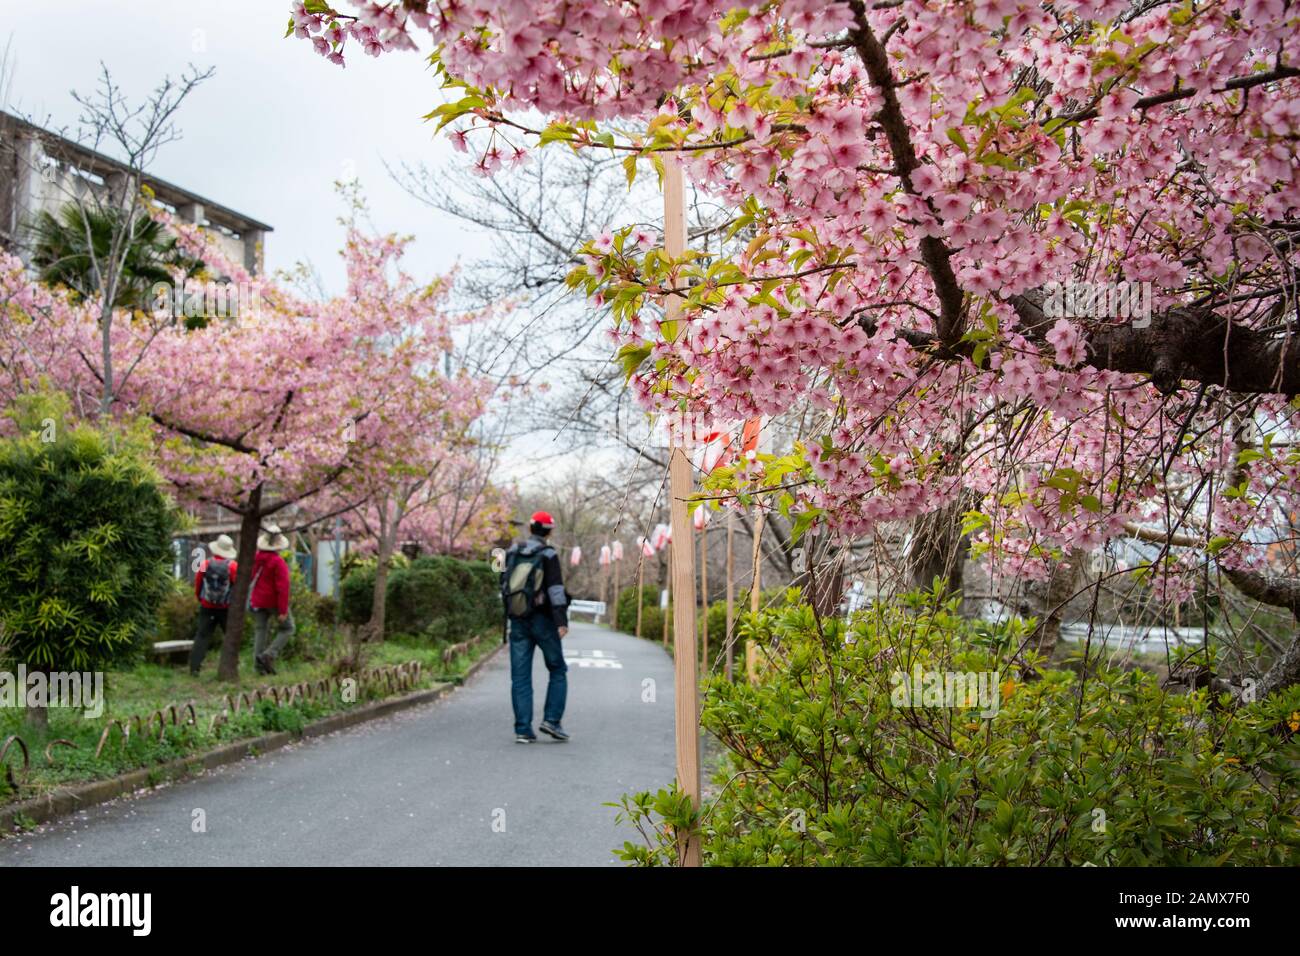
<point x="536" y="630"/>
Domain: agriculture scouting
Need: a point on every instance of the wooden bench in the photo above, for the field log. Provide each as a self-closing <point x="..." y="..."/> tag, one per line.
<point x="170" y="650"/>
<point x="594" y="608"/>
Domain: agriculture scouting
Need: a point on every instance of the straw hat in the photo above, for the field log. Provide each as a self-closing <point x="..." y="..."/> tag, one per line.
<point x="223" y="547"/>
<point x="271" y="539"/>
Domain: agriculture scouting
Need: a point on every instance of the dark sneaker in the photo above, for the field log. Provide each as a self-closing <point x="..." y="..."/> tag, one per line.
<point x="525" y="739"/>
<point x="264" y="664"/>
<point x="555" y="730"/>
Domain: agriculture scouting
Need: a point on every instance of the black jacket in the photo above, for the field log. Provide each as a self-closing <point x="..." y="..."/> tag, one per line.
<point x="555" y="599"/>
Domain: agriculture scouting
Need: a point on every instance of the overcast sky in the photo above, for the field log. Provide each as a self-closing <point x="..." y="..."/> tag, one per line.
<point x="269" y="133"/>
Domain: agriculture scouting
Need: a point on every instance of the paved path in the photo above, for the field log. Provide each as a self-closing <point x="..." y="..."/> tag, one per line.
<point x="424" y="787"/>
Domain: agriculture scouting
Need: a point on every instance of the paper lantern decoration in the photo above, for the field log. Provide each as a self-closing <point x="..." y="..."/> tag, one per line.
<point x="721" y="447"/>
<point x="604" y="555"/>
<point x="660" y="537"/>
<point x="617" y="551"/>
<point x="646" y="547"/>
<point x="714" y="451"/>
<point x="701" y="518"/>
<point x="575" y="556"/>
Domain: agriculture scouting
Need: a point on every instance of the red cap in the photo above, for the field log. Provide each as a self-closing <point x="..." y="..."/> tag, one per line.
<point x="543" y="519"/>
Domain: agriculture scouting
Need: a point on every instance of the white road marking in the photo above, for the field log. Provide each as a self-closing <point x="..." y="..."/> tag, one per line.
<point x="592" y="658"/>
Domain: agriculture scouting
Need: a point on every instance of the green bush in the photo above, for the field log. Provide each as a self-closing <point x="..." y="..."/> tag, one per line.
<point x="652" y="618"/>
<point x="829" y="763"/>
<point x="357" y="595"/>
<point x="178" y="616"/>
<point x="438" y="597"/>
<point x="85" y="541"/>
<point x="313" y="635"/>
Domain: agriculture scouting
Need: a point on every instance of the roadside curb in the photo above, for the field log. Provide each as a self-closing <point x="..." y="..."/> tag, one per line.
<point x="62" y="802"/>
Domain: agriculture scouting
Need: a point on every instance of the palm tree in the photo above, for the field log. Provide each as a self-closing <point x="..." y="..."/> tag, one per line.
<point x="70" y="248"/>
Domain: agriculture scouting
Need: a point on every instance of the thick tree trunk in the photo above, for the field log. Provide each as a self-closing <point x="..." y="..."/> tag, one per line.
<point x="1278" y="590"/>
<point x="1046" y="600"/>
<point x="823" y="581"/>
<point x="1285" y="671"/>
<point x="249" y="526"/>
<point x="379" y="602"/>
<point x="938" y="548"/>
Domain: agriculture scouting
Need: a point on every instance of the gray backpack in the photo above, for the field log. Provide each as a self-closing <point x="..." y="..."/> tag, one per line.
<point x="521" y="587"/>
<point x="216" y="582"/>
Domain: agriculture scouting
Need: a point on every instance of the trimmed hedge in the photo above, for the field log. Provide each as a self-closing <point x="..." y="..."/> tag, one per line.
<point x="652" y="618"/>
<point x="437" y="597"/>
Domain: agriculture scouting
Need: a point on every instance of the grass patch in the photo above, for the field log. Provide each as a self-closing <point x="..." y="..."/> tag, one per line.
<point x="148" y="687"/>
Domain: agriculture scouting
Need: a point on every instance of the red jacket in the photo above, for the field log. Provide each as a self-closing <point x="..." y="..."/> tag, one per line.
<point x="198" y="583"/>
<point x="270" y="583"/>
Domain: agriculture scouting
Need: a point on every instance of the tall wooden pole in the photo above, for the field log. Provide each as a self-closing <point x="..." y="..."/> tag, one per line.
<point x="731" y="593"/>
<point x="613" y="615"/>
<point x="640" y="586"/>
<point x="604" y="590"/>
<point x="681" y="484"/>
<point x="704" y="594"/>
<point x="755" y="586"/>
<point x="668" y="587"/>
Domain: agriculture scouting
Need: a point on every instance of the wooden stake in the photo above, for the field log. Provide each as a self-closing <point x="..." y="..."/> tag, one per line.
<point x="640" y="587"/>
<point x="731" y="593"/>
<point x="704" y="597"/>
<point x="613" y="614"/>
<point x="755" y="586"/>
<point x="685" y="653"/>
<point x="681" y="484"/>
<point x="668" y="586"/>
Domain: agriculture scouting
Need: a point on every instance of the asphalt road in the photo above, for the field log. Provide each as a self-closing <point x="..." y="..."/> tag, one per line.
<point x="442" y="784"/>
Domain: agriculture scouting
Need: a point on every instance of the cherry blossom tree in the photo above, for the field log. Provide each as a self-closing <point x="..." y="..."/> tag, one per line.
<point x="1038" y="255"/>
<point x="286" y="400"/>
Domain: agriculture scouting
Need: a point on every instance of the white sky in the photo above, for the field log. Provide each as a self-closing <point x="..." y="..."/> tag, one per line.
<point x="269" y="133"/>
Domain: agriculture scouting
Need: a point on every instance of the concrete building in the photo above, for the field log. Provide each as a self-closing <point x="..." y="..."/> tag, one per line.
<point x="41" y="171"/>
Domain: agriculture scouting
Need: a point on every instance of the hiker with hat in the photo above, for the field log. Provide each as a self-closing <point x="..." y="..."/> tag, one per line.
<point x="213" y="582"/>
<point x="268" y="598"/>
<point x="537" y="607"/>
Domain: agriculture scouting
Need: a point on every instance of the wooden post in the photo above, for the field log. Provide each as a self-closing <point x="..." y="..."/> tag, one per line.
<point x="681" y="484"/>
<point x="755" y="586"/>
<point x="704" y="597"/>
<point x="640" y="586"/>
<point x="613" y="614"/>
<point x="731" y="594"/>
<point x="668" y="586"/>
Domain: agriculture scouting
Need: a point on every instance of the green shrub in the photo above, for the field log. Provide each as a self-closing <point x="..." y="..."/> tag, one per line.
<point x="829" y="764"/>
<point x="652" y="621"/>
<point x="85" y="541"/>
<point x="357" y="595"/>
<point x="178" y="616"/>
<point x="437" y="597"/>
<point x="327" y="609"/>
<point x="443" y="598"/>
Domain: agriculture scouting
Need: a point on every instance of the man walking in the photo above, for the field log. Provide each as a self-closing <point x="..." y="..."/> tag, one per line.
<point x="538" y="609"/>
<point x="269" y="599"/>
<point x="213" y="582"/>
